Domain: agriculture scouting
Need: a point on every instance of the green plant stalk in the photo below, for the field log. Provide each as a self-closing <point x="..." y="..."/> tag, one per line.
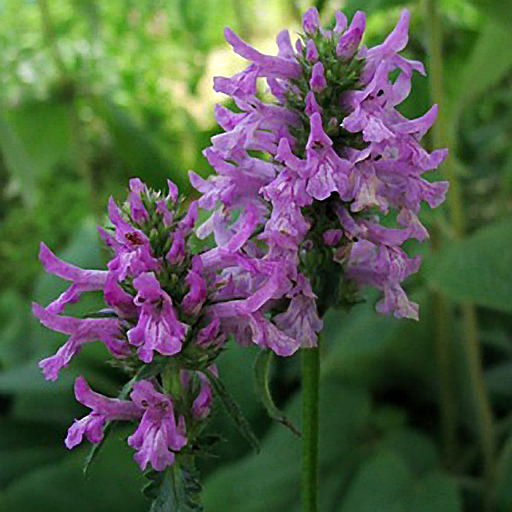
<point x="441" y="309"/>
<point x="484" y="417"/>
<point x="443" y="135"/>
<point x="442" y="312"/>
<point x="310" y="427"/>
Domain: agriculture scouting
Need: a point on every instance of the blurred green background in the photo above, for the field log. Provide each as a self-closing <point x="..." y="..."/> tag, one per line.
<point x="415" y="416"/>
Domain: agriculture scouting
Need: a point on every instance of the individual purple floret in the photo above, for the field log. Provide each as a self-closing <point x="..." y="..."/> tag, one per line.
<point x="339" y="158"/>
<point x="158" y="327"/>
<point x="81" y="331"/>
<point x="104" y="410"/>
<point x="158" y="435"/>
<point x="82" y="280"/>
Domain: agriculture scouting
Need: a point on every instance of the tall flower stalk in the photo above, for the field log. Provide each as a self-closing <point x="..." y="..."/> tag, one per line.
<point x="332" y="173"/>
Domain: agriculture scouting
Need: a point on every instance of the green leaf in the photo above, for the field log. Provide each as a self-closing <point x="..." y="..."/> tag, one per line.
<point x="44" y="130"/>
<point x="436" y="492"/>
<point x="136" y="147"/>
<point x="503" y="486"/>
<point x="484" y="68"/>
<point x="415" y="448"/>
<point x="370" y="350"/>
<point x="25" y="446"/>
<point x="269" y="481"/>
<point x="233" y="410"/>
<point x="15" y="316"/>
<point x="18" y="162"/>
<point x="175" y="490"/>
<point x="478" y="269"/>
<point x="498" y="10"/>
<point x="262" y="371"/>
<point x="381" y="482"/>
<point x="113" y="486"/>
<point x="351" y="6"/>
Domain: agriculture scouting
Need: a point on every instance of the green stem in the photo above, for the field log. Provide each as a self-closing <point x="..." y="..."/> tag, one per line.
<point x="442" y="136"/>
<point x="310" y="438"/>
<point x="484" y="417"/>
<point x="442" y="314"/>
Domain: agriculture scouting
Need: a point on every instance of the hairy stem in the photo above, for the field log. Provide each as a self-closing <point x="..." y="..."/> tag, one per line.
<point x="310" y="424"/>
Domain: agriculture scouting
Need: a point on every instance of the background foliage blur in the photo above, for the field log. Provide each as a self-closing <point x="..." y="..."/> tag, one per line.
<point x="93" y="93"/>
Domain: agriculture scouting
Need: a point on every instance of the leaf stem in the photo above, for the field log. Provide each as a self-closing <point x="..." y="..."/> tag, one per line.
<point x="310" y="427"/>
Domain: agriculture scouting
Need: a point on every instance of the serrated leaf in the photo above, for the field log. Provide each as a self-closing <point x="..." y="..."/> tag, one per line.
<point x="478" y="269"/>
<point x="233" y="410"/>
<point x="175" y="490"/>
<point x="262" y="371"/>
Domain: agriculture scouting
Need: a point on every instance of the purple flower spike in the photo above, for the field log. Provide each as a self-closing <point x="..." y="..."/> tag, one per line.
<point x="341" y="23"/>
<point x="384" y="267"/>
<point x="106" y="330"/>
<point x="158" y="437"/>
<point x="103" y="411"/>
<point x="158" y="328"/>
<point x="83" y="280"/>
<point x="173" y="191"/>
<point x="176" y="253"/>
<point x="208" y="335"/>
<point x="203" y="402"/>
<point x="266" y="334"/>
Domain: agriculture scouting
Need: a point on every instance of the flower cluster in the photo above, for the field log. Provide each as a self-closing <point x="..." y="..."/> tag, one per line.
<point x="315" y="194"/>
<point x="156" y="319"/>
<point x="320" y="174"/>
